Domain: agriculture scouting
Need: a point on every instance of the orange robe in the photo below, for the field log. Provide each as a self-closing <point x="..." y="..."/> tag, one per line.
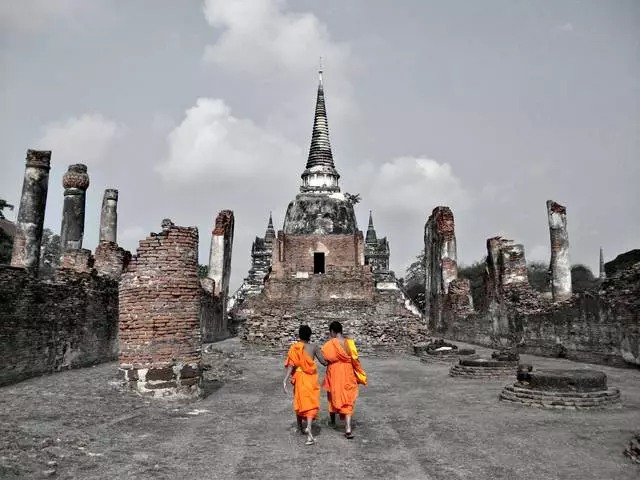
<point x="340" y="380"/>
<point x="306" y="389"/>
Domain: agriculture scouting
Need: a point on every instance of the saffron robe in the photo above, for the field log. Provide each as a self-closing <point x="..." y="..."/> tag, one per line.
<point x="306" y="389"/>
<point x="340" y="380"/>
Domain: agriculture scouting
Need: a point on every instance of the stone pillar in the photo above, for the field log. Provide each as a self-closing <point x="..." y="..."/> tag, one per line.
<point x="441" y="266"/>
<point x="220" y="273"/>
<point x="109" y="216"/>
<point x="75" y="183"/>
<point x="602" y="274"/>
<point x="30" y="221"/>
<point x="159" y="315"/>
<point x="560" y="266"/>
<point x="220" y="252"/>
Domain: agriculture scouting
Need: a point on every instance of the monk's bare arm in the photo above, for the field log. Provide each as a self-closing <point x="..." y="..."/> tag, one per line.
<point x="287" y="374"/>
<point x="320" y="357"/>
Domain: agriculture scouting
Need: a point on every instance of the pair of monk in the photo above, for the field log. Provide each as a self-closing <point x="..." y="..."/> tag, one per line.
<point x="340" y="356"/>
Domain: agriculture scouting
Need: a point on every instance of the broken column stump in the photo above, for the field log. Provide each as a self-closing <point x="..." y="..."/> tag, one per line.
<point x="484" y="368"/>
<point x="160" y="338"/>
<point x="563" y="389"/>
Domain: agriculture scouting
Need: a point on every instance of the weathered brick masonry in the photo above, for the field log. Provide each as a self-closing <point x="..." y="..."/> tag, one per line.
<point x="598" y="326"/>
<point x="160" y="337"/>
<point x="48" y="326"/>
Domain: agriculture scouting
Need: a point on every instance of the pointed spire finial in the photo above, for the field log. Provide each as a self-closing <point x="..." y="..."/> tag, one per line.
<point x="320" y="71"/>
<point x="371" y="236"/>
<point x="602" y="272"/>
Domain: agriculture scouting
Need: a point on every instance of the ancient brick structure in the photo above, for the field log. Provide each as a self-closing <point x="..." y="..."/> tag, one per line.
<point x="261" y="251"/>
<point x="481" y="368"/>
<point x="441" y="262"/>
<point x="318" y="271"/>
<point x="376" y="251"/>
<point x="598" y="327"/>
<point x="563" y="389"/>
<point x="75" y="182"/>
<point x="560" y="266"/>
<point x="30" y="221"/>
<point x="160" y="337"/>
<point x="215" y="324"/>
<point x="47" y="326"/>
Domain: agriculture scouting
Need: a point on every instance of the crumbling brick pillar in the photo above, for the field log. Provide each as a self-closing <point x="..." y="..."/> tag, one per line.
<point x="109" y="216"/>
<point x="560" y="265"/>
<point x="215" y="324"/>
<point x="506" y="268"/>
<point x="220" y="252"/>
<point x="441" y="261"/>
<point x="79" y="260"/>
<point x="75" y="182"/>
<point x="30" y="220"/>
<point x="159" y="315"/>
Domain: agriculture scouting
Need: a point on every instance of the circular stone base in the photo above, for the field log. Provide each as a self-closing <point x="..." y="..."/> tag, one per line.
<point x="522" y="394"/>
<point x="633" y="450"/>
<point x="481" y="368"/>
<point x="568" y="380"/>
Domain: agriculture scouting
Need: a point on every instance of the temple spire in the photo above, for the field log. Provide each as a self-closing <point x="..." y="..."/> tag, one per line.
<point x="270" y="234"/>
<point x="371" y="231"/>
<point x="602" y="275"/>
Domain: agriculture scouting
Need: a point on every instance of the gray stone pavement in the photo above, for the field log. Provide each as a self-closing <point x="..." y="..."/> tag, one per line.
<point x="412" y="422"/>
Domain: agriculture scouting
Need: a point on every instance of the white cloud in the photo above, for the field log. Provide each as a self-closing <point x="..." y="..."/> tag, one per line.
<point x="565" y="28"/>
<point x="260" y="39"/>
<point x="85" y="139"/>
<point x="213" y="146"/>
<point x="259" y="36"/>
<point x="413" y="184"/>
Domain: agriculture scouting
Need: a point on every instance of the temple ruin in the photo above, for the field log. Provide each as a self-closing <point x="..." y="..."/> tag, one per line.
<point x="322" y="268"/>
<point x="598" y="326"/>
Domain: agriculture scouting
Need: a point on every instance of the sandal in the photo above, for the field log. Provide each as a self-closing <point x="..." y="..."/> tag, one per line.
<point x="349" y="435"/>
<point x="310" y="442"/>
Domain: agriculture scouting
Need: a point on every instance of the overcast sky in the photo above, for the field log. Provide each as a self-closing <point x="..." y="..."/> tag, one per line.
<point x="191" y="107"/>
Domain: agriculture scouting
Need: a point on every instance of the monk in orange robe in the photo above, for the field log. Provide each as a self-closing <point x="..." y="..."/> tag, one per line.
<point x="343" y="375"/>
<point x="302" y="369"/>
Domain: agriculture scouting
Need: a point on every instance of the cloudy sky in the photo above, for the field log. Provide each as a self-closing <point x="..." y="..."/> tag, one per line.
<point x="191" y="107"/>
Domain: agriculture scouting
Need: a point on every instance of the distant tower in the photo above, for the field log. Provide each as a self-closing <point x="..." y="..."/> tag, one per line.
<point x="603" y="275"/>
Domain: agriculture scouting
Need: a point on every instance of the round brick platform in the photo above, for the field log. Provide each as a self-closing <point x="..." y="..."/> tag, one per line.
<point x="482" y="368"/>
<point x="563" y="389"/>
<point x="428" y="352"/>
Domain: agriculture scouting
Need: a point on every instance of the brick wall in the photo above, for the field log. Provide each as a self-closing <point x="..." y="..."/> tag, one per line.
<point x="599" y="327"/>
<point x="48" y="326"/>
<point x="380" y="325"/>
<point x="160" y="337"/>
<point x="295" y="252"/>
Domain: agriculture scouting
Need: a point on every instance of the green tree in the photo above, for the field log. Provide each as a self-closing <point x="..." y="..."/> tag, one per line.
<point x="538" y="273"/>
<point x="6" y="242"/>
<point x="3" y="205"/>
<point x="203" y="271"/>
<point x="475" y="274"/>
<point x="582" y="278"/>
<point x="50" y="252"/>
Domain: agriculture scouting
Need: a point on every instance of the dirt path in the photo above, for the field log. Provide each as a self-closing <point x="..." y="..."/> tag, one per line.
<point x="412" y="422"/>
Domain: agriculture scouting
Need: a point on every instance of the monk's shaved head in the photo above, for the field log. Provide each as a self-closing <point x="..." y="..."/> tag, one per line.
<point x="335" y="327"/>
<point x="304" y="333"/>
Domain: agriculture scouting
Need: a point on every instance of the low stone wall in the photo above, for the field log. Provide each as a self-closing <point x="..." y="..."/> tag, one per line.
<point x="48" y="326"/>
<point x="595" y="327"/>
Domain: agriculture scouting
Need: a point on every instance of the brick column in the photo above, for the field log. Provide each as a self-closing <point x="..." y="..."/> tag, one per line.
<point x="75" y="183"/>
<point x="30" y="221"/>
<point x="159" y="315"/>
<point x="560" y="265"/>
<point x="441" y="261"/>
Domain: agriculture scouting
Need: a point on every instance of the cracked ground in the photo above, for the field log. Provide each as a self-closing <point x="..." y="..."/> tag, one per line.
<point x="413" y="421"/>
